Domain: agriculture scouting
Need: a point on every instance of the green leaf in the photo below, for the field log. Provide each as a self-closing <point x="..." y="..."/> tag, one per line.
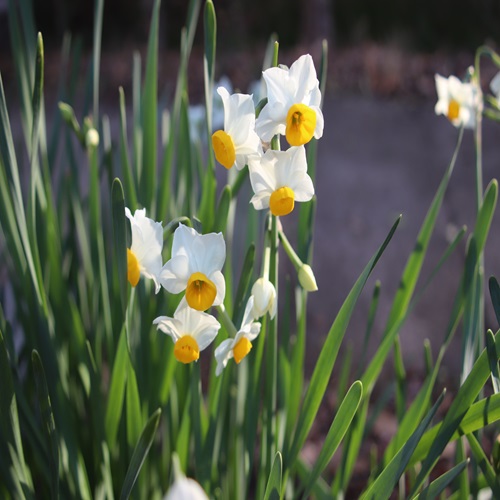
<point x="339" y="427"/>
<point x="96" y="56"/>
<point x="327" y="357"/>
<point x="140" y="453"/>
<point x="133" y="406"/>
<point x="495" y="296"/>
<point x="438" y="485"/>
<point x="415" y="261"/>
<point x="493" y="358"/>
<point x="386" y="481"/>
<point x="273" y="486"/>
<point x="9" y="419"/>
<point x="48" y="420"/>
<point x="479" y="415"/>
<point x="128" y="176"/>
<point x="481" y="459"/>
<point x="221" y="215"/>
<point x="37" y="95"/>
<point x="244" y="284"/>
<point x="149" y="114"/>
<point x="116" y="391"/>
<point x="456" y="413"/>
<point x="120" y="240"/>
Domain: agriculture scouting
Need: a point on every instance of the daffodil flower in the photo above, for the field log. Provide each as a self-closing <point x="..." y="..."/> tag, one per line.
<point x="238" y="140"/>
<point x="495" y="87"/>
<point x="458" y="101"/>
<point x="191" y="330"/>
<point x="195" y="266"/>
<point x="185" y="488"/>
<point x="279" y="179"/>
<point x="293" y="103"/>
<point x="144" y="255"/>
<point x="264" y="295"/>
<point x="239" y="346"/>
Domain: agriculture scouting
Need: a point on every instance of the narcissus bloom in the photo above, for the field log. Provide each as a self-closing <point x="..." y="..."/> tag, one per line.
<point x="458" y="101"/>
<point x="293" y="103"/>
<point x="195" y="266"/>
<point x="241" y="345"/>
<point x="264" y="295"/>
<point x="279" y="179"/>
<point x="144" y="255"/>
<point x="238" y="140"/>
<point x="185" y="488"/>
<point x="191" y="330"/>
<point x="495" y="86"/>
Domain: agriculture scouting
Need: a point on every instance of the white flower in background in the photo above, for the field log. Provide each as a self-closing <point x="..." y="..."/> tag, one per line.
<point x="144" y="255"/>
<point x="185" y="488"/>
<point x="191" y="330"/>
<point x="264" y="295"/>
<point x="195" y="266"/>
<point x="238" y="140"/>
<point x="293" y="103"/>
<point x="495" y="86"/>
<point x="458" y="101"/>
<point x="279" y="179"/>
<point x="241" y="345"/>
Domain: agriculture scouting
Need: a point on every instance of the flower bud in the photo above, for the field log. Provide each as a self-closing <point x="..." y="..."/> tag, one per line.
<point x="307" y="279"/>
<point x="92" y="138"/>
<point x="264" y="295"/>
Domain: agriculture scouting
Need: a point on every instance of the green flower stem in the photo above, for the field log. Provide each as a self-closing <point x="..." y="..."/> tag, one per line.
<point x="292" y="255"/>
<point x="272" y="353"/>
<point x="226" y="321"/>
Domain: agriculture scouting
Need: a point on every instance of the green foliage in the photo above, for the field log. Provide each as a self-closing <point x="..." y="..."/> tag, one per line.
<point x="93" y="401"/>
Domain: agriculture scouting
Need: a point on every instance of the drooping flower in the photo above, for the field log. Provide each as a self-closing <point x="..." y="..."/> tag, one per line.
<point x="239" y="346"/>
<point x="458" y="101"/>
<point x="144" y="255"/>
<point x="238" y="140"/>
<point x="293" y="103"/>
<point x="495" y="87"/>
<point x="191" y="330"/>
<point x="279" y="179"/>
<point x="195" y="266"/>
<point x="185" y="488"/>
<point x="264" y="295"/>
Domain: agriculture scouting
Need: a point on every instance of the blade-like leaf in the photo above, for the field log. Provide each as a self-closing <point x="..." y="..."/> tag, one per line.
<point x="326" y="360"/>
<point x="386" y="481"/>
<point x="273" y="486"/>
<point x="48" y="420"/>
<point x="438" y="485"/>
<point x="339" y="427"/>
<point x="140" y="453"/>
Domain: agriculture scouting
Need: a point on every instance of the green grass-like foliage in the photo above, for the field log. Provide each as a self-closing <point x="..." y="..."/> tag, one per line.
<point x="93" y="403"/>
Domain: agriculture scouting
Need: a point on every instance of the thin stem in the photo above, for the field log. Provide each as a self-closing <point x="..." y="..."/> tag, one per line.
<point x="226" y="321"/>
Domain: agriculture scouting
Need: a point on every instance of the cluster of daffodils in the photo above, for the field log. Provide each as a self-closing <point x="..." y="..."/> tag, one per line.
<point x="278" y="178"/>
<point x="195" y="269"/>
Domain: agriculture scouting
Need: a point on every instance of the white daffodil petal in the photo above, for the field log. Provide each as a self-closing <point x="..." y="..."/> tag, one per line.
<point x="217" y="279"/>
<point x="223" y="354"/>
<point x="185" y="489"/>
<point x="171" y="326"/>
<point x="175" y="274"/>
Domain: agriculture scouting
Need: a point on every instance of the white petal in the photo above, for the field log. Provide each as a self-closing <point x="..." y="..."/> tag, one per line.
<point x="208" y="253"/>
<point x="302" y="71"/>
<point x="223" y="354"/>
<point x="183" y="240"/>
<point x="175" y="274"/>
<point x="320" y="122"/>
<point x="171" y="326"/>
<point x="185" y="489"/>
<point x="218" y="280"/>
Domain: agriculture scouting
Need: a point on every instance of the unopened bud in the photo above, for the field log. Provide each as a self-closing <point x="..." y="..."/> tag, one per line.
<point x="307" y="279"/>
<point x="264" y="295"/>
<point x="92" y="138"/>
